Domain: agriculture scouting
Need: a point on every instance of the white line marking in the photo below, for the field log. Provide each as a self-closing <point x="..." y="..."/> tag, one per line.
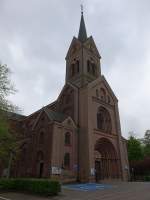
<point x="3" y="198"/>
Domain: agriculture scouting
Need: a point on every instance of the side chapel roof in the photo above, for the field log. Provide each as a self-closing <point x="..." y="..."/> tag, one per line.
<point x="55" y="116"/>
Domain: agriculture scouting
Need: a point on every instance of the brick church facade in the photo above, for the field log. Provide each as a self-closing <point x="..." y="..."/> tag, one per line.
<point x="78" y="136"/>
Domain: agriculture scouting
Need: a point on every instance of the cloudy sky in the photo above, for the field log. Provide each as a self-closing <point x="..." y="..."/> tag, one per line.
<point x="35" y="36"/>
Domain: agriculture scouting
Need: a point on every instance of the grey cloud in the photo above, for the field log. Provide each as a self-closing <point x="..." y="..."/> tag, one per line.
<point x="35" y="36"/>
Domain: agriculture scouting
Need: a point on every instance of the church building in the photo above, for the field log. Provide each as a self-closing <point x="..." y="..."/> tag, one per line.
<point x="78" y="136"/>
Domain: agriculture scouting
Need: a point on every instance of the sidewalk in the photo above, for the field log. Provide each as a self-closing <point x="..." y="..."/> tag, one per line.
<point x="121" y="191"/>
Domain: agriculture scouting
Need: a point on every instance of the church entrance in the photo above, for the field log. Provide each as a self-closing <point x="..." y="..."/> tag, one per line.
<point x="107" y="165"/>
<point x="97" y="170"/>
<point x="40" y="164"/>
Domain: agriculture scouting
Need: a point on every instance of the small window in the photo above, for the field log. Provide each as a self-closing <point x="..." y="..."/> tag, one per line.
<point x="108" y="99"/>
<point x="103" y="94"/>
<point x="67" y="160"/>
<point x="24" y="154"/>
<point x="72" y="69"/>
<point x="93" y="69"/>
<point x="77" y="66"/>
<point x="41" y="138"/>
<point x="67" y="138"/>
<point x="97" y="93"/>
<point x="88" y="66"/>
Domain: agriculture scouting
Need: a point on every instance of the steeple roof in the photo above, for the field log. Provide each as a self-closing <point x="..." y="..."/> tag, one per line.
<point x="82" y="36"/>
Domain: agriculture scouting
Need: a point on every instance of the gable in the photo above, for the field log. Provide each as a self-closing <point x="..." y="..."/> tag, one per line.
<point x="104" y="81"/>
<point x="91" y="46"/>
<point x="40" y="119"/>
<point x="48" y="115"/>
<point x="101" y="89"/>
<point x="75" y="46"/>
<point x="66" y="100"/>
<point x="66" y="88"/>
<point x="68" y="122"/>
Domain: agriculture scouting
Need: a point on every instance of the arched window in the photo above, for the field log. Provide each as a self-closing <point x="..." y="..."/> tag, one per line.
<point x="88" y="66"/>
<point x="77" y="63"/>
<point x="104" y="120"/>
<point x="41" y="137"/>
<point x="103" y="94"/>
<point x="67" y="138"/>
<point x="67" y="160"/>
<point x="93" y="69"/>
<point x="72" y="69"/>
<point x="40" y="164"/>
<point x="97" y="93"/>
<point x="108" y="99"/>
<point x="24" y="154"/>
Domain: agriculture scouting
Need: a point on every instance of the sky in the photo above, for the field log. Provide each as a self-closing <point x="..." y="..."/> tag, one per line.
<point x="35" y="36"/>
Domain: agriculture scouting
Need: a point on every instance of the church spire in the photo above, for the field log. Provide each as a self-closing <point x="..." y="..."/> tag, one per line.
<point x="82" y="36"/>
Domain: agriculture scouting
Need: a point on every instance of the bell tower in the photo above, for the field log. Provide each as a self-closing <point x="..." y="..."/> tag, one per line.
<point x="83" y="58"/>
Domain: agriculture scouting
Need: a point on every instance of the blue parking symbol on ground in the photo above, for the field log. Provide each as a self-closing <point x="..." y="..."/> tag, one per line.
<point x="87" y="186"/>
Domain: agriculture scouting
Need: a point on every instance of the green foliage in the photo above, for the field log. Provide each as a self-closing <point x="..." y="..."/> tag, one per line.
<point x="7" y="139"/>
<point x="135" y="151"/>
<point x="35" y="186"/>
<point x="6" y="88"/>
<point x="3" y="125"/>
<point x="146" y="150"/>
<point x="147" y="178"/>
<point x="7" y="145"/>
<point x="146" y="142"/>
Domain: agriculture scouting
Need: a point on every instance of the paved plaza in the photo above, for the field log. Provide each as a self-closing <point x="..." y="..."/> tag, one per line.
<point x="118" y="191"/>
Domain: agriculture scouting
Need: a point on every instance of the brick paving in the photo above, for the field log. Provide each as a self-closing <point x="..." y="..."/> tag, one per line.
<point x="119" y="191"/>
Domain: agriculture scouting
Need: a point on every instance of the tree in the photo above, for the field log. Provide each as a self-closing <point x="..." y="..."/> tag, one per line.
<point x="146" y="142"/>
<point x="7" y="139"/>
<point x="6" y="88"/>
<point x="135" y="151"/>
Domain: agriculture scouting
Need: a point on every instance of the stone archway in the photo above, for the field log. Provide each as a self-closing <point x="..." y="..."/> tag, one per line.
<point x="107" y="165"/>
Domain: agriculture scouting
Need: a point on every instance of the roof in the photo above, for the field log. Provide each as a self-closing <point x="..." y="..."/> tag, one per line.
<point x="55" y="116"/>
<point x="82" y="36"/>
<point x="14" y="116"/>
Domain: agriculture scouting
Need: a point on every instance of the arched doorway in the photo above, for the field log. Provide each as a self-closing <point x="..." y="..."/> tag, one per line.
<point x="107" y="164"/>
<point x="40" y="164"/>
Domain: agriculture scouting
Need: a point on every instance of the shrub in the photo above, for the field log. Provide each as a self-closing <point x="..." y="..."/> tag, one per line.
<point x="35" y="186"/>
<point x="147" y="178"/>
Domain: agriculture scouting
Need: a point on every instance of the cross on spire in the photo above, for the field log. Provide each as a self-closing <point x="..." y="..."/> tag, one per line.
<point x="82" y="9"/>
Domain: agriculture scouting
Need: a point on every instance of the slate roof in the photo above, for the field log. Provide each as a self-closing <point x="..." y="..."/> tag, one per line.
<point x="55" y="116"/>
<point x="14" y="116"/>
<point x="82" y="36"/>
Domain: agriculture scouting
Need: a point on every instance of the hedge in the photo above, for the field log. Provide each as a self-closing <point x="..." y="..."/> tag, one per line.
<point x="35" y="186"/>
<point x="147" y="178"/>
